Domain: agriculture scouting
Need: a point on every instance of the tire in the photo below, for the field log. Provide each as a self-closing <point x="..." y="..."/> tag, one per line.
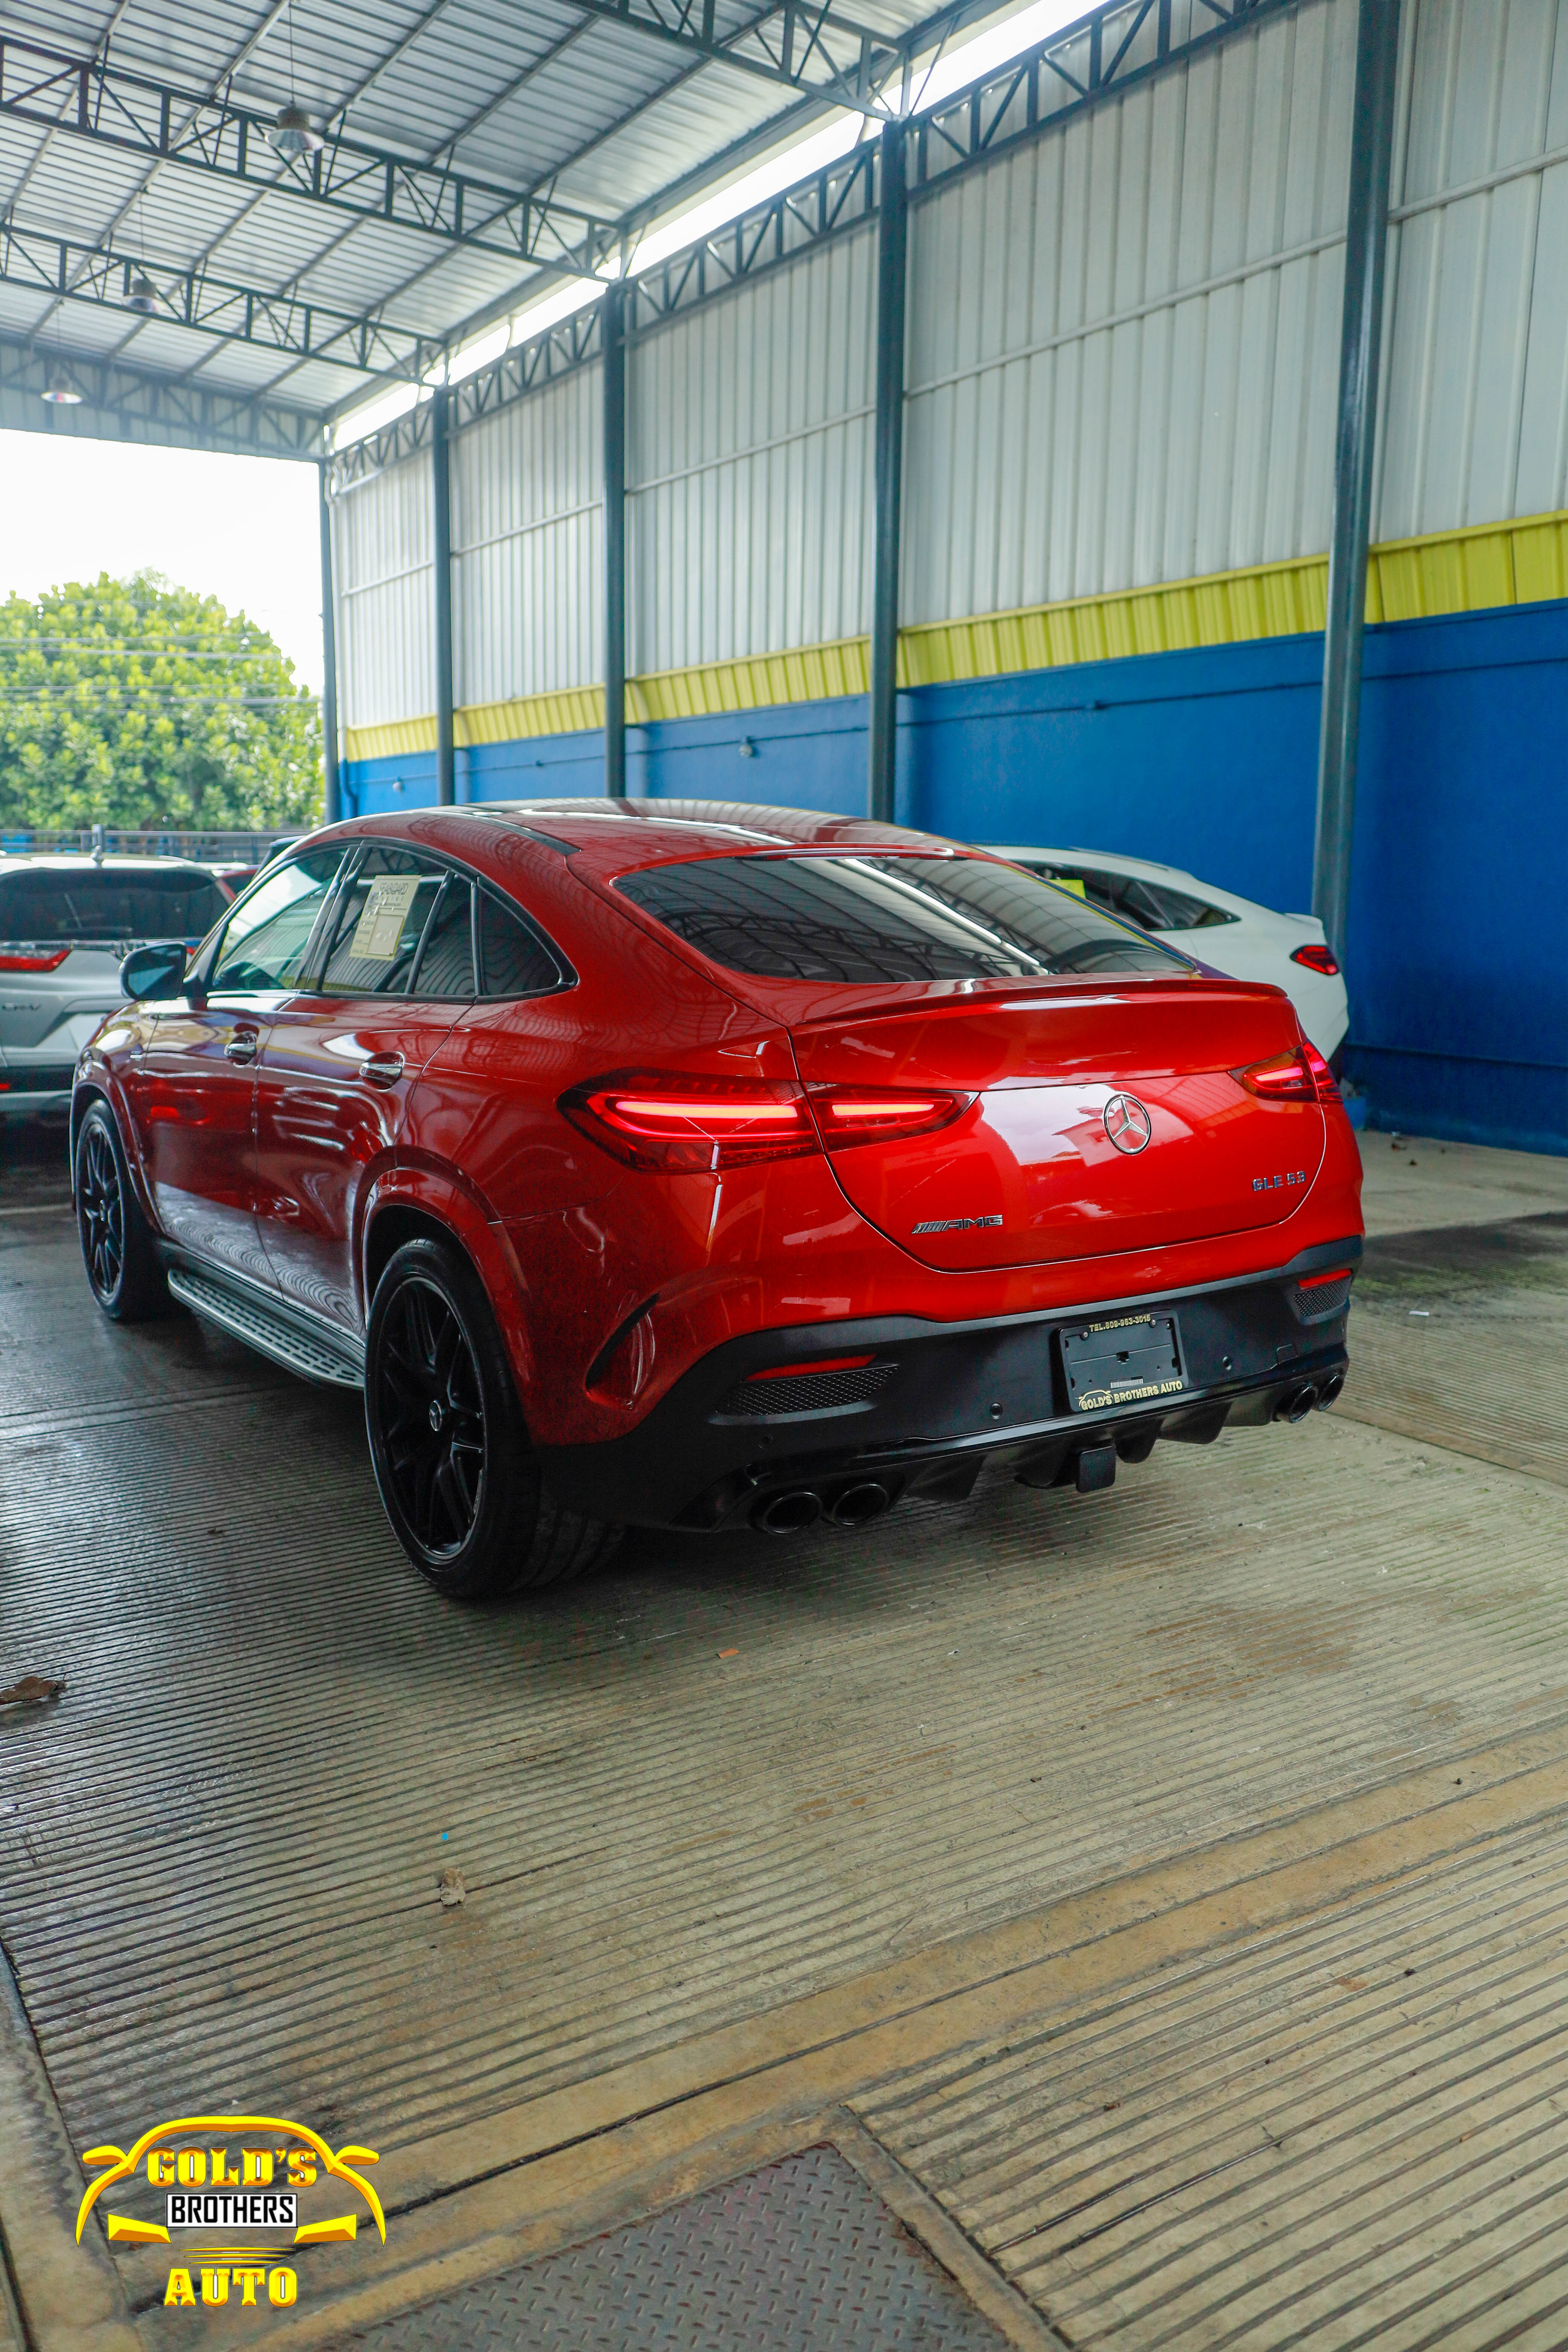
<point x="123" y="1270"/>
<point x="448" y="1441"/>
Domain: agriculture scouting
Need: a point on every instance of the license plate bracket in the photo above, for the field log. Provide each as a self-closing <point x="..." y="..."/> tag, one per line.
<point x="1121" y="1360"/>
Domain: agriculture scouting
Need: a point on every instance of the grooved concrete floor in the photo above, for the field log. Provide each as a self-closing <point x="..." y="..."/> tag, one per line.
<point x="218" y="1854"/>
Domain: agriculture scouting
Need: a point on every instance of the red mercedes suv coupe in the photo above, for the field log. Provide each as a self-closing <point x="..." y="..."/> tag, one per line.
<point x="701" y="1166"/>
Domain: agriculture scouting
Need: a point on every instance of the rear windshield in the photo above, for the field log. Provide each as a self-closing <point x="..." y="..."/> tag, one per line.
<point x="902" y="917"/>
<point x="1152" y="905"/>
<point x="87" y="903"/>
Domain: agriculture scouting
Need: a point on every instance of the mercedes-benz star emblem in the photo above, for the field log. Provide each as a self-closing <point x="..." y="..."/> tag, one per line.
<point x="1127" y="1123"/>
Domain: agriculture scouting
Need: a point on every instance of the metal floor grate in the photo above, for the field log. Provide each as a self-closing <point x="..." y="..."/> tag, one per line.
<point x="800" y="2257"/>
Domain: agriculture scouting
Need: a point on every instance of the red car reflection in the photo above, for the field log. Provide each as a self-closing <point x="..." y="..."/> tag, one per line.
<point x="701" y="1166"/>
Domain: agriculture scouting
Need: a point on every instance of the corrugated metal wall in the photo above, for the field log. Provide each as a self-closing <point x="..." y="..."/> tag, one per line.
<point x="1475" y="423"/>
<point x="1122" y="363"/>
<point x="527" y="546"/>
<point x="381" y="559"/>
<point x="1123" y="337"/>
<point x="749" y="467"/>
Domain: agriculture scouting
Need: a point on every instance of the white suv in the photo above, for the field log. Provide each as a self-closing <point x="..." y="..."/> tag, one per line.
<point x="65" y="924"/>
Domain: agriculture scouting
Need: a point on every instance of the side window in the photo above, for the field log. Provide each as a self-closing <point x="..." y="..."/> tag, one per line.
<point x="446" y="958"/>
<point x="263" y="943"/>
<point x="381" y="923"/>
<point x="514" y="960"/>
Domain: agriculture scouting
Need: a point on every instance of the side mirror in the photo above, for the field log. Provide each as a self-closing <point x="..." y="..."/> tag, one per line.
<point x="154" y="971"/>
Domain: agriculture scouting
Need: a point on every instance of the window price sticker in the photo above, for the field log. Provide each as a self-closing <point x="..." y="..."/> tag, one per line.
<point x="385" y="912"/>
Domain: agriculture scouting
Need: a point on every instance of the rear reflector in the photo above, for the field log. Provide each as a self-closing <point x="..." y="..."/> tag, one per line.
<point x="686" y="1125"/>
<point x="1300" y="1077"/>
<point x="818" y="1364"/>
<point x="50" y="959"/>
<point x="1316" y="958"/>
<point x="1316" y="1281"/>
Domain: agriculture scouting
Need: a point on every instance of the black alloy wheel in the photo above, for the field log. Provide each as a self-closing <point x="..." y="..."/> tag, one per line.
<point x="432" y="1416"/>
<point x="448" y="1440"/>
<point x="101" y="1211"/>
<point x="117" y="1250"/>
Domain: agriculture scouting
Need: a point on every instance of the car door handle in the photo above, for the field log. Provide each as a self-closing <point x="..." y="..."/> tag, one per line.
<point x="382" y="1069"/>
<point x="242" y="1047"/>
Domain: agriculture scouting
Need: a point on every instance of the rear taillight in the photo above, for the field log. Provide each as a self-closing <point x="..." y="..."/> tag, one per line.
<point x="1299" y="1076"/>
<point x="690" y="1126"/>
<point x="1316" y="958"/>
<point x="12" y="960"/>
<point x="1322" y="1076"/>
<point x="848" y="1115"/>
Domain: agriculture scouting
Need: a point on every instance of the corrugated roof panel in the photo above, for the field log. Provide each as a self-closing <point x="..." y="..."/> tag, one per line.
<point x="181" y="217"/>
<point x="316" y="384"/>
<point x="21" y="308"/>
<point x="700" y="117"/>
<point x="88" y="327"/>
<point x="466" y="58"/>
<point x="192" y="43"/>
<point x="164" y="347"/>
<point x="240" y="367"/>
<point x="77" y="190"/>
<point x="323" y="53"/>
<point x="575" y="98"/>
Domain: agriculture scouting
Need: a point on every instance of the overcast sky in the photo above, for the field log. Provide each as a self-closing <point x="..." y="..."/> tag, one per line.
<point x="241" y="529"/>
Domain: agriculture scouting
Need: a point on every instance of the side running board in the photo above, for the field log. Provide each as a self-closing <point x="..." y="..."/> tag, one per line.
<point x="273" y="1332"/>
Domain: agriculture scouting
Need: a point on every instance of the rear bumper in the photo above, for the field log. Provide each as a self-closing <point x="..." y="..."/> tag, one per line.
<point x="949" y="1397"/>
<point x="32" y="1104"/>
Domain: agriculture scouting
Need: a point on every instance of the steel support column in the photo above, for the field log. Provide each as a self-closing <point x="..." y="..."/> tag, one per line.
<point x="1361" y="343"/>
<point x="332" y="804"/>
<point x="612" y="344"/>
<point x="441" y="486"/>
<point x="892" y="246"/>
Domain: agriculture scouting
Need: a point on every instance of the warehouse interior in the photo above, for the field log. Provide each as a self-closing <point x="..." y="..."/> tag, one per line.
<point x="1063" y="1919"/>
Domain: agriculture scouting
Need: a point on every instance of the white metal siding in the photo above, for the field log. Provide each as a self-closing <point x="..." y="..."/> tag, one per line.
<point x="382" y="559"/>
<point x="527" y="546"/>
<point x="1475" y="425"/>
<point x="749" y="467"/>
<point x="1123" y="338"/>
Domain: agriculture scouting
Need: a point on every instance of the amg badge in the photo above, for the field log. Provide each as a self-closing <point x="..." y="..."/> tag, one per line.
<point x="954" y="1224"/>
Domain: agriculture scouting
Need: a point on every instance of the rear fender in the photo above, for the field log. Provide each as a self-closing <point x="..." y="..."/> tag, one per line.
<point x="449" y="1202"/>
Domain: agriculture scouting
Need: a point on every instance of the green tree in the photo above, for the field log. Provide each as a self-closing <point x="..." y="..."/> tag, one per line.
<point x="136" y="704"/>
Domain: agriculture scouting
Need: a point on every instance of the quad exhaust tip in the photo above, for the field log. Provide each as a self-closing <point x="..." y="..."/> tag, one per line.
<point x="1297" y="1404"/>
<point x="800" y="1508"/>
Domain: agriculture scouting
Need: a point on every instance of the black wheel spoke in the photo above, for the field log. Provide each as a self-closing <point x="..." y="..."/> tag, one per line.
<point x="430" y="1410"/>
<point x="102" y="1212"/>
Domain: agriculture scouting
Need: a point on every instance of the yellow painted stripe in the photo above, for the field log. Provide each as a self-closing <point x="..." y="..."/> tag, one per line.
<point x="1470" y="571"/>
<point x="394" y="739"/>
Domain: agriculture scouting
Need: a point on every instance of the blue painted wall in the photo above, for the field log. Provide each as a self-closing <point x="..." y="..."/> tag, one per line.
<point x="1458" y="949"/>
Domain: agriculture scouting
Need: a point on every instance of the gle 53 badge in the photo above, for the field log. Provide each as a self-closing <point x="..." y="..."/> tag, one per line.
<point x="233" y="2196"/>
